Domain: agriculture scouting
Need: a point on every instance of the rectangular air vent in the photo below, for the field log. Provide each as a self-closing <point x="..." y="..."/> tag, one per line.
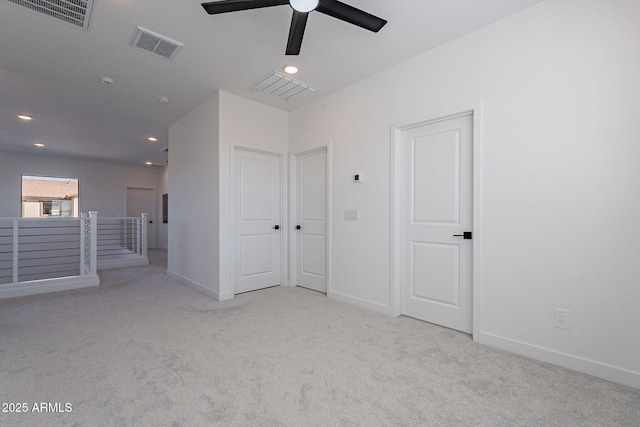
<point x="155" y="43"/>
<point x="283" y="87"/>
<point x="74" y="12"/>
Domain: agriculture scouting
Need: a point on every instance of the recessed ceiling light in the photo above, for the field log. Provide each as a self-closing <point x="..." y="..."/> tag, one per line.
<point x="148" y="163"/>
<point x="107" y="81"/>
<point x="24" y="117"/>
<point x="152" y="139"/>
<point x="38" y="144"/>
<point x="290" y="69"/>
<point x="163" y="100"/>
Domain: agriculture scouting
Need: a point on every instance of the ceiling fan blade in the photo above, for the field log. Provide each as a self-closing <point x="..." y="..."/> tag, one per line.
<point x="225" y="6"/>
<point x="351" y="15"/>
<point x="296" y="32"/>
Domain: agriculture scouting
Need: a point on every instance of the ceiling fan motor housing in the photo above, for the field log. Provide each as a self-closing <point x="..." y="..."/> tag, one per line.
<point x="303" y="5"/>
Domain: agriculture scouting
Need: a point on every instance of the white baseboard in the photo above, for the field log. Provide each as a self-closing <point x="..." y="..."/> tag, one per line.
<point x="119" y="263"/>
<point x="586" y="366"/>
<point x="226" y="296"/>
<point x="197" y="286"/>
<point x="44" y="286"/>
<point x="359" y="302"/>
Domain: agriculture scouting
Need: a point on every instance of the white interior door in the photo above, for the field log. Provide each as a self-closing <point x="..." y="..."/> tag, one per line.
<point x="437" y="199"/>
<point x="311" y="221"/>
<point x="139" y="201"/>
<point x="257" y="237"/>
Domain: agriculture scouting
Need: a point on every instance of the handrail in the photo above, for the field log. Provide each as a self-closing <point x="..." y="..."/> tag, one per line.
<point x="122" y="217"/>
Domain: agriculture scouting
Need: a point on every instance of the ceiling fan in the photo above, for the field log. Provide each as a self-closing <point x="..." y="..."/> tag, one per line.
<point x="301" y="10"/>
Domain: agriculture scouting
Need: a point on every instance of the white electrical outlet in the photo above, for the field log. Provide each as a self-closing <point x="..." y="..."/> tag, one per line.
<point x="561" y="318"/>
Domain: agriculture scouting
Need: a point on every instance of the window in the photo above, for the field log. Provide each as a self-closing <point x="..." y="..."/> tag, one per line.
<point x="46" y="208"/>
<point x="45" y="196"/>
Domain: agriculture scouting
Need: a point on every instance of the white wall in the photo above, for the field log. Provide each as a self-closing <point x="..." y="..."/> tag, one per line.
<point x="103" y="186"/>
<point x="558" y="85"/>
<point x="200" y="152"/>
<point x="193" y="199"/>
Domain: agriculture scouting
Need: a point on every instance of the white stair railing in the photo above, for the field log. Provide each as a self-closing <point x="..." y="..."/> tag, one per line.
<point x="122" y="241"/>
<point x="47" y="254"/>
<point x="40" y="255"/>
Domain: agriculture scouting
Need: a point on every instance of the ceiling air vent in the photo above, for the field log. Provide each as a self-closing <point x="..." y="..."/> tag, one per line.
<point x="155" y="44"/>
<point x="283" y="87"/>
<point x="74" y="12"/>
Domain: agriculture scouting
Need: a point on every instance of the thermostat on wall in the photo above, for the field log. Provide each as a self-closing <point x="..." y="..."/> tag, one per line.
<point x="357" y="178"/>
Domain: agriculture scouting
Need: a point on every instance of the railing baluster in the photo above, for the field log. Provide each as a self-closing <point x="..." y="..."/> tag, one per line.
<point x="15" y="251"/>
<point x="124" y="232"/>
<point x="82" y="245"/>
<point x="93" y="221"/>
<point x="143" y="246"/>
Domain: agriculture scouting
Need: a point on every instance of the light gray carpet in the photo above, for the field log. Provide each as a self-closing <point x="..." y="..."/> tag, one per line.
<point x="144" y="350"/>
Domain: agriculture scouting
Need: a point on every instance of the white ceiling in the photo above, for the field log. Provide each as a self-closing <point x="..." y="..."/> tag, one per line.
<point x="52" y="70"/>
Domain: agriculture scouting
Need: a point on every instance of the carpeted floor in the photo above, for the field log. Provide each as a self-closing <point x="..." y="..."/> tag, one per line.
<point x="144" y="350"/>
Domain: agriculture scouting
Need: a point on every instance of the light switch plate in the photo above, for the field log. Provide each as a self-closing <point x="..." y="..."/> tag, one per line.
<point x="351" y="215"/>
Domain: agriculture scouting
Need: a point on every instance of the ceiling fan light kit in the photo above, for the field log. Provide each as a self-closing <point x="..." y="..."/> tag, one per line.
<point x="303" y="5"/>
<point x="301" y="10"/>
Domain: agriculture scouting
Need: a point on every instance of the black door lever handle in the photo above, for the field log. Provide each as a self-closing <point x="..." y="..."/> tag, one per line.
<point x="464" y="235"/>
<point x="277" y="227"/>
<point x="298" y="227"/>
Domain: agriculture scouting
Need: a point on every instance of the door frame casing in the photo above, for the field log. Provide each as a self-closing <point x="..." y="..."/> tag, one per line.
<point x="396" y="214"/>
<point x="284" y="227"/>
<point x="293" y="213"/>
